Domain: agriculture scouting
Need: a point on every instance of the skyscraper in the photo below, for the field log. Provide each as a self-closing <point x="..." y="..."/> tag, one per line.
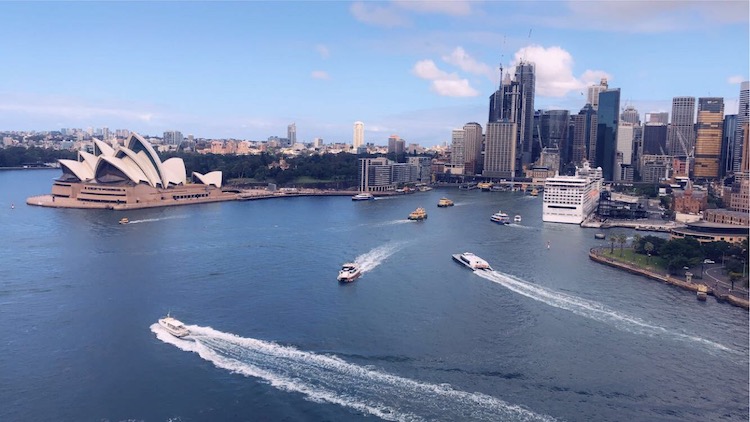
<point x="457" y="147"/>
<point x="681" y="139"/>
<point x="708" y="139"/>
<point x="358" y="139"/>
<point x="631" y="115"/>
<point x="660" y="117"/>
<point x="396" y="145"/>
<point x="607" y="120"/>
<point x="500" y="149"/>
<point x="743" y="118"/>
<point x="291" y="133"/>
<point x="473" y="148"/>
<point x="655" y="139"/>
<point x="728" y="145"/>
<point x="593" y="93"/>
<point x="584" y="135"/>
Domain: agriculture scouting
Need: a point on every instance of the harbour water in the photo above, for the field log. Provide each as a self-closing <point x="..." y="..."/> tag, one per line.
<point x="549" y="335"/>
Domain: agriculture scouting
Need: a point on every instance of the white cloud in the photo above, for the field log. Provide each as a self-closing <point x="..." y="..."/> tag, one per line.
<point x="320" y="74"/>
<point x="373" y="14"/>
<point x="323" y="51"/>
<point x="443" y="83"/>
<point x="554" y="71"/>
<point x="460" y="58"/>
<point x="736" y="79"/>
<point x="452" y="8"/>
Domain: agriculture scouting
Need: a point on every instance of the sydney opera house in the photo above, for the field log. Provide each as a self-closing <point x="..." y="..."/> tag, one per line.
<point x="128" y="177"/>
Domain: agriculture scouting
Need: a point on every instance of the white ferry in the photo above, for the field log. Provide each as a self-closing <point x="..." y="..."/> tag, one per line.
<point x="364" y="196"/>
<point x="570" y="199"/>
<point x="349" y="272"/>
<point x="174" y="326"/>
<point x="471" y="261"/>
<point x="500" y="218"/>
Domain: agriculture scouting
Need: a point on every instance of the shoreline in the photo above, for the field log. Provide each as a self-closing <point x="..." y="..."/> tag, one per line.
<point x="594" y="255"/>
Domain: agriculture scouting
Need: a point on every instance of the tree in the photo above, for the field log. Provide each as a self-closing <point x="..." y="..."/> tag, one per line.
<point x="636" y="243"/>
<point x="648" y="247"/>
<point x="621" y="239"/>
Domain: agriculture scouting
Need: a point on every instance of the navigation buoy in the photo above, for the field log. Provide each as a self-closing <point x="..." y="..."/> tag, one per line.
<point x="548" y="244"/>
<point x="12" y="206"/>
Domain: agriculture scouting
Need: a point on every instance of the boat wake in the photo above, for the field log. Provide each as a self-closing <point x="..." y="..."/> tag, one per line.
<point x="596" y="311"/>
<point x="369" y="260"/>
<point x="150" y="220"/>
<point x="392" y="222"/>
<point x="329" y="379"/>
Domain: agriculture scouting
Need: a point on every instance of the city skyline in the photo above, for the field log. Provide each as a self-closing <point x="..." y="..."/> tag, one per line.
<point x="248" y="70"/>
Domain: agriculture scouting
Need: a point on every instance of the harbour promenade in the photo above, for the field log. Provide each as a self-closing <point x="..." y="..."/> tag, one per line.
<point x="717" y="286"/>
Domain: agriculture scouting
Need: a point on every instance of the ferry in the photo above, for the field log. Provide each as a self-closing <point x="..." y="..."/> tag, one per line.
<point x="517" y="219"/>
<point x="364" y="196"/>
<point x="534" y="192"/>
<point x="349" y="272"/>
<point x="571" y="199"/>
<point x="445" y="202"/>
<point x="485" y="186"/>
<point x="418" y="214"/>
<point x="467" y="186"/>
<point x="500" y="218"/>
<point x="469" y="260"/>
<point x="174" y="326"/>
<point x="124" y="220"/>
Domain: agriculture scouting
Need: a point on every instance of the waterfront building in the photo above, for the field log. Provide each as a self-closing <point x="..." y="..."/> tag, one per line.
<point x="473" y="139"/>
<point x="655" y="168"/>
<point x="381" y="174"/>
<point x="128" y="176"/>
<point x="358" y="140"/>
<point x="723" y="216"/>
<point x="705" y="232"/>
<point x="607" y="119"/>
<point x="592" y="96"/>
<point x="457" y="147"/>
<point x="423" y="166"/>
<point x="500" y="150"/>
<point x="743" y="118"/>
<point x="571" y="199"/>
<point x="681" y="138"/>
<point x="708" y="138"/>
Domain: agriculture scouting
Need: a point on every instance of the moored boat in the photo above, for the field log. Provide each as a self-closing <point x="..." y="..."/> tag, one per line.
<point x="174" y="326"/>
<point x="485" y="186"/>
<point x="500" y="218"/>
<point x="364" y="196"/>
<point x="534" y="192"/>
<point x="599" y="236"/>
<point x="702" y="292"/>
<point x="124" y="220"/>
<point x="349" y="272"/>
<point x="418" y="214"/>
<point x="445" y="202"/>
<point x="471" y="261"/>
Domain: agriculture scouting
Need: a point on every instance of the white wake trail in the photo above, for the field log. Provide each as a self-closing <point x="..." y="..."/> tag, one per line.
<point x="371" y="259"/>
<point x="329" y="379"/>
<point x="593" y="310"/>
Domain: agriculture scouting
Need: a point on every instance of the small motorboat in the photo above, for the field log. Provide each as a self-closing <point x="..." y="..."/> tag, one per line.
<point x="517" y="219"/>
<point x="599" y="236"/>
<point x="349" y="272"/>
<point x="418" y="214"/>
<point x="500" y="218"/>
<point x="364" y="196"/>
<point x="124" y="220"/>
<point x="174" y="326"/>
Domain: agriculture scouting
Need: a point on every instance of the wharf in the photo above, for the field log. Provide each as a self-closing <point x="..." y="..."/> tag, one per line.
<point x="641" y="225"/>
<point x="722" y="294"/>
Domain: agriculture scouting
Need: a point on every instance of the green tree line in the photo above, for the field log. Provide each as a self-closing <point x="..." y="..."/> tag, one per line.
<point x="21" y="156"/>
<point x="688" y="252"/>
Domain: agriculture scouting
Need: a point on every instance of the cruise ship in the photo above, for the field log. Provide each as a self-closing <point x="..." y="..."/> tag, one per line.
<point x="570" y="199"/>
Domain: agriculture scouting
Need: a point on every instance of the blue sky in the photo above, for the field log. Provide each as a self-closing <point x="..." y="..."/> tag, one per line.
<point x="413" y="68"/>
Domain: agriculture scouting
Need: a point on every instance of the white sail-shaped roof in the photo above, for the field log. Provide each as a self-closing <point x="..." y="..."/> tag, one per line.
<point x="137" y="144"/>
<point x="142" y="161"/>
<point x="175" y="171"/>
<point x="89" y="160"/>
<point x="213" y="178"/>
<point x="79" y="169"/>
<point x="126" y="165"/>
<point x="102" y="148"/>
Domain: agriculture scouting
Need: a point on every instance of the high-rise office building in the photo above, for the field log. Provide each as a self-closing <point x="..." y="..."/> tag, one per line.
<point x="513" y="102"/>
<point x="655" y="139"/>
<point x="708" y="137"/>
<point x="607" y="121"/>
<point x="594" y="91"/>
<point x="396" y="145"/>
<point x="457" y="147"/>
<point x="473" y="148"/>
<point x="500" y="149"/>
<point x="358" y="139"/>
<point x="728" y="144"/>
<point x="584" y="135"/>
<point x="681" y="138"/>
<point x="631" y="115"/>
<point x="660" y="117"/>
<point x="553" y="128"/>
<point x="625" y="137"/>
<point x="743" y="118"/>
<point x="291" y="133"/>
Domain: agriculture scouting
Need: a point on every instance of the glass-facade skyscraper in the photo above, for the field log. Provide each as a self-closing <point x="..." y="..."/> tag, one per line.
<point x="708" y="137"/>
<point x="607" y="120"/>
<point x="681" y="138"/>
